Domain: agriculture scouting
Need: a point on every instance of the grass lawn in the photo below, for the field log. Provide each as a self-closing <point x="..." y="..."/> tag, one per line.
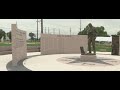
<point x="37" y="44"/>
<point x="33" y="43"/>
<point x="99" y="47"/>
<point x="103" y="47"/>
<point x="28" y="44"/>
<point x="5" y="44"/>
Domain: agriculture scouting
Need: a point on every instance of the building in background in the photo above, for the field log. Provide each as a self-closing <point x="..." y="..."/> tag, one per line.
<point x="104" y="39"/>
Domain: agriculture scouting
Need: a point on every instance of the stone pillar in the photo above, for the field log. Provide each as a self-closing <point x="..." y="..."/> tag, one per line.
<point x="19" y="45"/>
<point x="115" y="45"/>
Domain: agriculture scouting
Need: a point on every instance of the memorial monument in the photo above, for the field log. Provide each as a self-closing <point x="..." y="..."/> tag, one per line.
<point x="91" y="38"/>
<point x="19" y="45"/>
<point x="92" y="33"/>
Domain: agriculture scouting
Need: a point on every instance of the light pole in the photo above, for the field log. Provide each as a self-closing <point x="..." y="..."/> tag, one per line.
<point x="37" y="28"/>
<point x="70" y="31"/>
<point x="41" y="26"/>
<point x="80" y="25"/>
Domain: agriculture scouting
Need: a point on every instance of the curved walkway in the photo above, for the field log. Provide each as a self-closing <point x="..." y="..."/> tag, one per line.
<point x="4" y="59"/>
<point x="37" y="62"/>
<point x="6" y="65"/>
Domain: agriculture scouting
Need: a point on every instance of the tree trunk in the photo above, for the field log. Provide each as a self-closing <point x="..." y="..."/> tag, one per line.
<point x="10" y="40"/>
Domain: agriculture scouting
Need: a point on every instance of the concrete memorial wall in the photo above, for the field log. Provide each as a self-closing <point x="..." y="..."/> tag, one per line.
<point x="19" y="45"/>
<point x="63" y="44"/>
<point x="119" y="45"/>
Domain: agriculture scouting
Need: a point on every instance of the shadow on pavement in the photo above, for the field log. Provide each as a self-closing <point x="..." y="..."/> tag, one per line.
<point x="77" y="60"/>
<point x="20" y="66"/>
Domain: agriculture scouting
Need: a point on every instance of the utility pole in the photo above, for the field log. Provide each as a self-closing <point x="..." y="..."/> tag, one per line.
<point x="16" y="23"/>
<point x="41" y="26"/>
<point x="48" y="30"/>
<point x="80" y="25"/>
<point x="59" y="31"/>
<point x="53" y="30"/>
<point x="37" y="28"/>
<point x="70" y="30"/>
<point x="45" y="30"/>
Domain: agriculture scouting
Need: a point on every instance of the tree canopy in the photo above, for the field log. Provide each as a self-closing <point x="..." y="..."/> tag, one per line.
<point x="100" y="31"/>
<point x="118" y="33"/>
<point x="32" y="36"/>
<point x="9" y="35"/>
<point x="2" y="34"/>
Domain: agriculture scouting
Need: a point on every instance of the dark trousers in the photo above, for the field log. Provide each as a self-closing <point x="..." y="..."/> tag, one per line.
<point x="91" y="42"/>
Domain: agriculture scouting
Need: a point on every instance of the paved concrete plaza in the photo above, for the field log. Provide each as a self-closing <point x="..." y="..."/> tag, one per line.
<point x="37" y="62"/>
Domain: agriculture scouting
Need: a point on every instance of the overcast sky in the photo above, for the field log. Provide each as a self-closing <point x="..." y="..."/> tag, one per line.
<point x="112" y="26"/>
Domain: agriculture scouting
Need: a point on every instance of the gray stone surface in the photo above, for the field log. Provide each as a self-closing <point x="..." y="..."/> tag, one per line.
<point x="88" y="58"/>
<point x="99" y="60"/>
<point x="19" y="67"/>
<point x="19" y="45"/>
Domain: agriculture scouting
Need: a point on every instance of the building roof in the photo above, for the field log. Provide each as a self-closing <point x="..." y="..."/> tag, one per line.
<point x="107" y="39"/>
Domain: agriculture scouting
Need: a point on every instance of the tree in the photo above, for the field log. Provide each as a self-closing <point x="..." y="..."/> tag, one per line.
<point x="32" y="36"/>
<point x="84" y="32"/>
<point x="2" y="34"/>
<point x="100" y="31"/>
<point x="118" y="33"/>
<point x="9" y="36"/>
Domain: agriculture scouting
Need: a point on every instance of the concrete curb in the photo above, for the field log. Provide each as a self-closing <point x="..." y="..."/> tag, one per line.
<point x="20" y="66"/>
